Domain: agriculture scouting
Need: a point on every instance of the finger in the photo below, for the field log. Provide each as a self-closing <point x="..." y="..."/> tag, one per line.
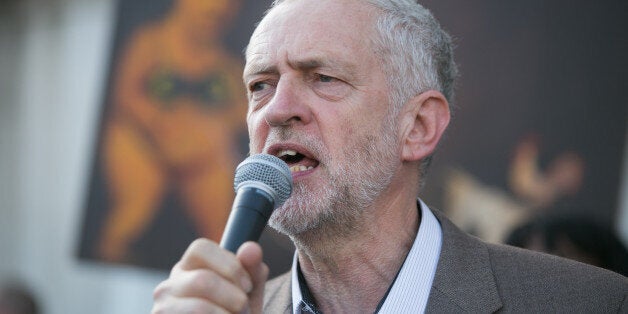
<point x="203" y="253"/>
<point x="186" y="305"/>
<point x="251" y="256"/>
<point x="205" y="284"/>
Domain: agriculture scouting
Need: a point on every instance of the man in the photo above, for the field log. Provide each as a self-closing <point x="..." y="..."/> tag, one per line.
<point x="354" y="95"/>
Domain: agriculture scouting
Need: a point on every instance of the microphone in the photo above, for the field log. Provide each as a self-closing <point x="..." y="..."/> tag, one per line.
<point x="262" y="183"/>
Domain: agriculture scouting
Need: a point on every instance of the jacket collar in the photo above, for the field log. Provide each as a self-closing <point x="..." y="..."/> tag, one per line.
<point x="464" y="279"/>
<point x="463" y="282"/>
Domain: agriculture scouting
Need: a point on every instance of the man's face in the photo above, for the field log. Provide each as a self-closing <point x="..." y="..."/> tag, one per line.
<point x="318" y="99"/>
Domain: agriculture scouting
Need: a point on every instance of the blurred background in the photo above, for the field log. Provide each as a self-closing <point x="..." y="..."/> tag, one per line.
<point x="538" y="136"/>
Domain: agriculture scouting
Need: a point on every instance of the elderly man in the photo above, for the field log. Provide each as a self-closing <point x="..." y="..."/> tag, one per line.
<point x="354" y="95"/>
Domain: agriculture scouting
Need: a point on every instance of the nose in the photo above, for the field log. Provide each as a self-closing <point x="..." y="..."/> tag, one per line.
<point x="288" y="105"/>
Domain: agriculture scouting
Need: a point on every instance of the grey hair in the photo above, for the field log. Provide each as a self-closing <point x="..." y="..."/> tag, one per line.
<point x="416" y="53"/>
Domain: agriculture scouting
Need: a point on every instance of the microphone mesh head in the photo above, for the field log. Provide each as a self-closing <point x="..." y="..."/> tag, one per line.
<point x="269" y="170"/>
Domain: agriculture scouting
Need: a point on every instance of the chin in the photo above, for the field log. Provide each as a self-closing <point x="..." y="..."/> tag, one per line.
<point x="290" y="220"/>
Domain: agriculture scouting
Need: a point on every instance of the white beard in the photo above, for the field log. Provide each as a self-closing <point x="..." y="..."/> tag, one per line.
<point x="337" y="206"/>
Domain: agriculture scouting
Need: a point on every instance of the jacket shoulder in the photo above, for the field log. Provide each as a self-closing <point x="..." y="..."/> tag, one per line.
<point x="476" y="276"/>
<point x="538" y="281"/>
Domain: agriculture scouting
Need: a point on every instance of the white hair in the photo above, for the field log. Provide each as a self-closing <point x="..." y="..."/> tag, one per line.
<point x="416" y="53"/>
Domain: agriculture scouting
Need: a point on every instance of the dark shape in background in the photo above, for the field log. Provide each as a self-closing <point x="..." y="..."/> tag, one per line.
<point x="575" y="238"/>
<point x="551" y="70"/>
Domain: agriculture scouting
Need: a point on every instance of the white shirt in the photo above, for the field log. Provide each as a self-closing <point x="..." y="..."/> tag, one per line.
<point x="411" y="288"/>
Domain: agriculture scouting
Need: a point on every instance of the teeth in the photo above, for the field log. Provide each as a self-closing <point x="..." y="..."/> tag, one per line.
<point x="292" y="153"/>
<point x="287" y="152"/>
<point x="298" y="168"/>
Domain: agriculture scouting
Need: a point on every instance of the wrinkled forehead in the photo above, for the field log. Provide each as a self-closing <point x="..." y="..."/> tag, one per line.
<point x="315" y="23"/>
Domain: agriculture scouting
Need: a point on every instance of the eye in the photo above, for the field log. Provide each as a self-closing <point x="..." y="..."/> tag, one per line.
<point x="258" y="86"/>
<point x="330" y="87"/>
<point x="259" y="90"/>
<point x="325" y="78"/>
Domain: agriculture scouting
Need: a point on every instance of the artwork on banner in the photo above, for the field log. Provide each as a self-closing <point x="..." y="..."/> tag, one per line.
<point x="539" y="123"/>
<point x="172" y="130"/>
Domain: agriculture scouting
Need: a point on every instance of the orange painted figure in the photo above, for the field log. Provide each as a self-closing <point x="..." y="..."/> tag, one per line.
<point x="177" y="108"/>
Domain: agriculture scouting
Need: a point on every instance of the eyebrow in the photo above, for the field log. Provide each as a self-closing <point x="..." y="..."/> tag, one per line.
<point x="308" y="64"/>
<point x="257" y="69"/>
<point x="315" y="63"/>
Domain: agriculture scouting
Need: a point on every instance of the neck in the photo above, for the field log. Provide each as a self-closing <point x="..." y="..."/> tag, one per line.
<point x="351" y="273"/>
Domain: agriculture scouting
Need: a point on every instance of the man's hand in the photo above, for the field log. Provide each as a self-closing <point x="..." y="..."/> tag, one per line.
<point x="209" y="279"/>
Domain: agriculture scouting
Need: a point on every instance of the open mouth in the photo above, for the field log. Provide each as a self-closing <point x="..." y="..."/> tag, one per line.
<point x="296" y="161"/>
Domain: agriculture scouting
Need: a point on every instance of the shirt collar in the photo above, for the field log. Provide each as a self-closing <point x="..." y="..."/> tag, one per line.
<point x="411" y="288"/>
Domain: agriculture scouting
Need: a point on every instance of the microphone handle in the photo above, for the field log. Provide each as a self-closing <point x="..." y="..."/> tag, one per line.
<point x="251" y="210"/>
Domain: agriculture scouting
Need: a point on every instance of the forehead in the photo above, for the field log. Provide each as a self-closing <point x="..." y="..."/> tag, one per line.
<point x="314" y="29"/>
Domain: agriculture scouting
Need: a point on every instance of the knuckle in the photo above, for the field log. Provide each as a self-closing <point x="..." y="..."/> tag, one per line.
<point x="240" y="302"/>
<point x="233" y="270"/>
<point x="161" y="308"/>
<point x="178" y="267"/>
<point x="203" y="280"/>
<point x="161" y="290"/>
<point x="265" y="270"/>
<point x="200" y="243"/>
<point x="158" y="309"/>
<point x="203" y="307"/>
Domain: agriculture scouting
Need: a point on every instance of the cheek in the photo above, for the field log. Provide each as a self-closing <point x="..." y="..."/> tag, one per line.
<point x="354" y="124"/>
<point x="258" y="130"/>
<point x="356" y="129"/>
<point x="340" y="136"/>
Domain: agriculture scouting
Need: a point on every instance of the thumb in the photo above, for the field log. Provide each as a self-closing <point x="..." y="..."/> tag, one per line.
<point x="250" y="255"/>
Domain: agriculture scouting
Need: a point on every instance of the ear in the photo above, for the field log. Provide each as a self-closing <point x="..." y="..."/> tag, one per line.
<point x="425" y="118"/>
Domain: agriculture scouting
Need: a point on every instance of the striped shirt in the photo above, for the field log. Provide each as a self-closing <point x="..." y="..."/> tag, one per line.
<point x="411" y="288"/>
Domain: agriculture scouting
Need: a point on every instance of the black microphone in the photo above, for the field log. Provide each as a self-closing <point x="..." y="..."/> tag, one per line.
<point x="262" y="183"/>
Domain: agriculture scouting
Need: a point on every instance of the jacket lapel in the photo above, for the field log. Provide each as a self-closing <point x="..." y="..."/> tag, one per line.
<point x="464" y="280"/>
<point x="278" y="295"/>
